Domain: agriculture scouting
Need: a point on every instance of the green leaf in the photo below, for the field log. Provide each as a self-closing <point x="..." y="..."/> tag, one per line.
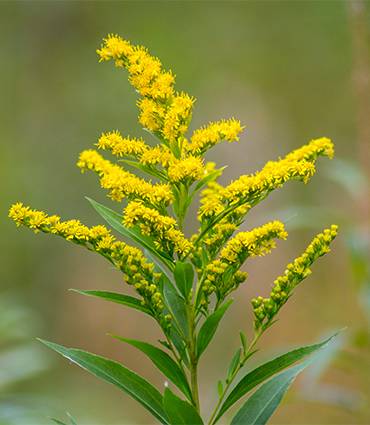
<point x="57" y="421"/>
<point x="220" y="388"/>
<point x="266" y="370"/>
<point x="243" y="340"/>
<point x="208" y="179"/>
<point x="180" y="412"/>
<point x="176" y="305"/>
<point x="262" y="404"/>
<point x="209" y="328"/>
<point x="234" y="363"/>
<point x="115" y="220"/>
<point x="145" y="168"/>
<point x="118" y="375"/>
<point x="164" y="363"/>
<point x="116" y="298"/>
<point x="184" y="277"/>
<point x="179" y="344"/>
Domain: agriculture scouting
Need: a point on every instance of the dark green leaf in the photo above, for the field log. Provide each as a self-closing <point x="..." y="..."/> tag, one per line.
<point x="184" y="276"/>
<point x="263" y="372"/>
<point x="176" y="305"/>
<point x="209" y="328"/>
<point x="115" y="220"/>
<point x="261" y="405"/>
<point x="234" y="363"/>
<point x="116" y="298"/>
<point x="180" y="412"/>
<point x="118" y="375"/>
<point x="164" y="363"/>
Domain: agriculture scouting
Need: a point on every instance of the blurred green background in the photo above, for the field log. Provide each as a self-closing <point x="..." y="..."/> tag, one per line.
<point x="290" y="71"/>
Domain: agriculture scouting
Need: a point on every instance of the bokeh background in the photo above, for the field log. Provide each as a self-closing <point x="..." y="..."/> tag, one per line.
<point x="290" y="71"/>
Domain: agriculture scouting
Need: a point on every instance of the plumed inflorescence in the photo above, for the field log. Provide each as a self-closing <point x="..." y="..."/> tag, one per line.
<point x="155" y="208"/>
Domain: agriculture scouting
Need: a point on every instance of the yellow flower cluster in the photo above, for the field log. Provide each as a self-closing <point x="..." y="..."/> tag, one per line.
<point x="162" y="110"/>
<point x="120" y="146"/>
<point x="211" y="201"/>
<point x="130" y="260"/>
<point x="316" y="147"/>
<point x="146" y="73"/>
<point x="256" y="242"/>
<point x="188" y="169"/>
<point x="299" y="164"/>
<point x="158" y="155"/>
<point x="162" y="229"/>
<point x="151" y="115"/>
<point x="220" y="233"/>
<point x="177" y="118"/>
<point x="121" y="183"/>
<point x="215" y="132"/>
<point x="266" y="308"/>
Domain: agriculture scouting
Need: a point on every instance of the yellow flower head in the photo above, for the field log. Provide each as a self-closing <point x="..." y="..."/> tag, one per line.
<point x="215" y="132"/>
<point x="258" y="241"/>
<point x="120" y="146"/>
<point x="250" y="189"/>
<point x="145" y="71"/>
<point x="151" y="114"/>
<point x="188" y="169"/>
<point x="163" y="229"/>
<point x="159" y="155"/>
<point x="121" y="183"/>
<point x="177" y="118"/>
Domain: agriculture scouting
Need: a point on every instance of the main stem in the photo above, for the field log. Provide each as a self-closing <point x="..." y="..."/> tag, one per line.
<point x="193" y="358"/>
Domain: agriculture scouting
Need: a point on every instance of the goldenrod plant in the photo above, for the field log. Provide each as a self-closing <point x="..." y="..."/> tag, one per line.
<point x="185" y="283"/>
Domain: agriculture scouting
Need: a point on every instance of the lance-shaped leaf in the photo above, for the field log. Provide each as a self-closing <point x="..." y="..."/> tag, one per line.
<point x="262" y="404"/>
<point x="208" y="179"/>
<point x="180" y="412"/>
<point x="209" y="328"/>
<point x="266" y="370"/>
<point x="184" y="276"/>
<point x="163" y="362"/>
<point x="115" y="220"/>
<point x="115" y="298"/>
<point x="176" y="306"/>
<point x="118" y="375"/>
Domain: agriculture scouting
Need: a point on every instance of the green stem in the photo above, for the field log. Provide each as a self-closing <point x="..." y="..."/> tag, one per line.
<point x="193" y="358"/>
<point x="247" y="354"/>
